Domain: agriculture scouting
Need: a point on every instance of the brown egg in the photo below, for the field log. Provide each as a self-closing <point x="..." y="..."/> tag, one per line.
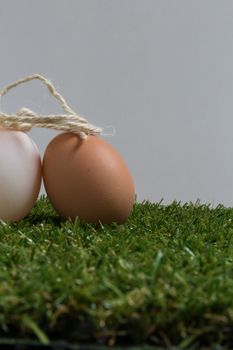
<point x="87" y="178"/>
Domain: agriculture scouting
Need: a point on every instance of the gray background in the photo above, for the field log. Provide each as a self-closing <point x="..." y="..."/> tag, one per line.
<point x="159" y="71"/>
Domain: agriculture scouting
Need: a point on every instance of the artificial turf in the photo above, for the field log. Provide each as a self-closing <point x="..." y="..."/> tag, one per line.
<point x="164" y="278"/>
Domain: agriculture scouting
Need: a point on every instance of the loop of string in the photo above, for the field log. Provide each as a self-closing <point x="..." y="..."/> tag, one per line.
<point x="25" y="119"/>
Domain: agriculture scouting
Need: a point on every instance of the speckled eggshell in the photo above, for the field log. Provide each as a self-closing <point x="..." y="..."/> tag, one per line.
<point x="87" y="178"/>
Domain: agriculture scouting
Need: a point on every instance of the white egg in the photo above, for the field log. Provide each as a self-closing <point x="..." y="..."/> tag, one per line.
<point x="20" y="174"/>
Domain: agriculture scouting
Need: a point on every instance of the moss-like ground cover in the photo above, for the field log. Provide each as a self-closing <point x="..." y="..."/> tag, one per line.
<point x="164" y="278"/>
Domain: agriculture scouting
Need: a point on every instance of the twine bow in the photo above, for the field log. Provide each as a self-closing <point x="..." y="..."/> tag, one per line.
<point x="25" y="119"/>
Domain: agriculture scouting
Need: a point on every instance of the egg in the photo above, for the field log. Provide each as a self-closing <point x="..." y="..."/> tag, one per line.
<point x="87" y="178"/>
<point x="20" y="174"/>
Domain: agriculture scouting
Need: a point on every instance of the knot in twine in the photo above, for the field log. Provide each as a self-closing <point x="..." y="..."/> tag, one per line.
<point x="25" y="119"/>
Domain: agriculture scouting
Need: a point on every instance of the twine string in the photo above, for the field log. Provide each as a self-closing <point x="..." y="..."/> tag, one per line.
<point x="25" y="119"/>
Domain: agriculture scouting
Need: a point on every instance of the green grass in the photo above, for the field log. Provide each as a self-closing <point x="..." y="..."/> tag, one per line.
<point x="164" y="278"/>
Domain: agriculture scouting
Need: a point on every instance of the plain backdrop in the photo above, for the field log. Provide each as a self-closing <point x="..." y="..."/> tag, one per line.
<point x="160" y="72"/>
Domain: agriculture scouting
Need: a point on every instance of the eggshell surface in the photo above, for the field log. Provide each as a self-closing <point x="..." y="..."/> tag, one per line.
<point x="20" y="174"/>
<point x="87" y="178"/>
